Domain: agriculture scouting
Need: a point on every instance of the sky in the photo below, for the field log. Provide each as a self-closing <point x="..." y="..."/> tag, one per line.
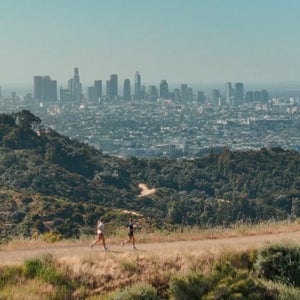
<point x="182" y="41"/>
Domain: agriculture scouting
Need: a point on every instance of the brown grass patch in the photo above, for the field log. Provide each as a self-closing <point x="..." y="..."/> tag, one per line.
<point x="29" y="290"/>
<point x="145" y="235"/>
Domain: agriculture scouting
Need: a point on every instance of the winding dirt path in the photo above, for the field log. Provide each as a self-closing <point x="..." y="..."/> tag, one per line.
<point x="68" y="252"/>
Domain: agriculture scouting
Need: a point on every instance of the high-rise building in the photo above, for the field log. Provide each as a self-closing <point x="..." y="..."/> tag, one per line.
<point x="44" y="89"/>
<point x="137" y="87"/>
<point x="238" y="93"/>
<point x="264" y="96"/>
<point x="249" y="97"/>
<point x="184" y="92"/>
<point x="0" y="93"/>
<point x="94" y="93"/>
<point x="98" y="89"/>
<point x="75" y="86"/>
<point x="201" y="97"/>
<point x="143" y="92"/>
<point x="152" y="92"/>
<point x="65" y="95"/>
<point x="177" y="95"/>
<point x="228" y="93"/>
<point x="190" y="94"/>
<point x="127" y="90"/>
<point x="216" y="96"/>
<point x="91" y="94"/>
<point x="257" y="96"/>
<point x="28" y="99"/>
<point x="164" y="90"/>
<point x="113" y="87"/>
<point x="108" y="90"/>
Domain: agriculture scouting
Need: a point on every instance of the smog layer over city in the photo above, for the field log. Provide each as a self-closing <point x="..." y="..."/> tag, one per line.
<point x="155" y="78"/>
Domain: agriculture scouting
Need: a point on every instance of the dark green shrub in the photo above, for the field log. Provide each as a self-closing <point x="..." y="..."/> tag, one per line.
<point x="224" y="282"/>
<point x="32" y="267"/>
<point x="137" y="291"/>
<point x="46" y="270"/>
<point x="193" y="286"/>
<point x="279" y="263"/>
<point x="51" y="275"/>
<point x="283" y="291"/>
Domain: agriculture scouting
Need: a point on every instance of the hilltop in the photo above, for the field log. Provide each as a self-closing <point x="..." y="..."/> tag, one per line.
<point x="52" y="183"/>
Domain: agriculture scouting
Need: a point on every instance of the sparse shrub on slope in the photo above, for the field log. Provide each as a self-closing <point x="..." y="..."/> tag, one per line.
<point x="47" y="270"/>
<point x="192" y="286"/>
<point x="137" y="291"/>
<point x="280" y="263"/>
<point x="284" y="291"/>
<point x="9" y="275"/>
<point x="224" y="282"/>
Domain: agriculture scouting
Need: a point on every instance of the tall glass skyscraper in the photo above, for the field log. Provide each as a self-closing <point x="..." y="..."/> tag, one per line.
<point x="164" y="89"/>
<point x="75" y="87"/>
<point x="127" y="90"/>
<point x="98" y="89"/>
<point x="113" y="86"/>
<point x="137" y="87"/>
<point x="228" y="93"/>
<point x="238" y="93"/>
<point x="44" y="89"/>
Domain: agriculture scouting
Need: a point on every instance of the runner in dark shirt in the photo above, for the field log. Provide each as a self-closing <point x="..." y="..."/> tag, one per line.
<point x="131" y="238"/>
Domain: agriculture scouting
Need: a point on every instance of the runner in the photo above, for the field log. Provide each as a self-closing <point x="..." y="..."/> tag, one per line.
<point x="100" y="232"/>
<point x="131" y="238"/>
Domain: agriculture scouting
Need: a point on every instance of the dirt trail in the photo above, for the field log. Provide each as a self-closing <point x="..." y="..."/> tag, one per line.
<point x="17" y="256"/>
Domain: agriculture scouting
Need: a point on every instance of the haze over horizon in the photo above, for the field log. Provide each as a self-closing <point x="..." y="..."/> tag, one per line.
<point x="190" y="41"/>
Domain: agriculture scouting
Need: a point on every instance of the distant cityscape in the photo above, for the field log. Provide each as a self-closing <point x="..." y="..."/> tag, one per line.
<point x="45" y="91"/>
<point x="154" y="121"/>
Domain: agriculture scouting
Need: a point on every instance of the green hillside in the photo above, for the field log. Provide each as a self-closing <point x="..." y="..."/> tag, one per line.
<point x="50" y="182"/>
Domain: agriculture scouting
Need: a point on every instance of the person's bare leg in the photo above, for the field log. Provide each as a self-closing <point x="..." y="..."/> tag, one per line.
<point x="103" y="241"/>
<point x="133" y="242"/>
<point x="95" y="242"/>
<point x="124" y="242"/>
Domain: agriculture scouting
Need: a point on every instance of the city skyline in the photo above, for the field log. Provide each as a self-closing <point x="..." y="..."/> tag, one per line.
<point x="191" y="41"/>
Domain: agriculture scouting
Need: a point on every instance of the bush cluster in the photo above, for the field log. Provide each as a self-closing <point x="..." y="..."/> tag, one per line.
<point x="274" y="275"/>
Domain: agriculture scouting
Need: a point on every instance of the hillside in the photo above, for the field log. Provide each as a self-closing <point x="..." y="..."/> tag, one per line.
<point x="50" y="182"/>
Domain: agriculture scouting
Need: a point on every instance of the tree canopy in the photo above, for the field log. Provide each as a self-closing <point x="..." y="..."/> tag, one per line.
<point x="49" y="181"/>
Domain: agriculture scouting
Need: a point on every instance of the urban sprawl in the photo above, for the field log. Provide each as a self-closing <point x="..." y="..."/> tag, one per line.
<point x="154" y="121"/>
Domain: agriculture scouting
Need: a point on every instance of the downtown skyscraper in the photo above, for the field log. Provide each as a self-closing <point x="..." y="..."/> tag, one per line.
<point x="75" y="87"/>
<point x="112" y="87"/>
<point x="164" y="89"/>
<point x="238" y="93"/>
<point x="94" y="93"/>
<point x="228" y="93"/>
<point x="44" y="89"/>
<point x="127" y="90"/>
<point x="137" y="87"/>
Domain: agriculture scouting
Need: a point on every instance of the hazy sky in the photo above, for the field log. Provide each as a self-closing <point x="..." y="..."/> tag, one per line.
<point x="192" y="41"/>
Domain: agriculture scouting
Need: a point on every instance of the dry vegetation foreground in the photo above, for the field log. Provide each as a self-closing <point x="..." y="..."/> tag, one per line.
<point x="214" y="243"/>
<point x="102" y="272"/>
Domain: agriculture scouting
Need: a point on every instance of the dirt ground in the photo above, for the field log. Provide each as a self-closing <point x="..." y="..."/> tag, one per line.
<point x="14" y="256"/>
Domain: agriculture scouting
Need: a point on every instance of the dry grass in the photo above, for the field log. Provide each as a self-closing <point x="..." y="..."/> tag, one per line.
<point x="103" y="275"/>
<point x="179" y="234"/>
<point x="116" y="271"/>
<point x="29" y="290"/>
<point x="100" y="273"/>
<point x="195" y="233"/>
